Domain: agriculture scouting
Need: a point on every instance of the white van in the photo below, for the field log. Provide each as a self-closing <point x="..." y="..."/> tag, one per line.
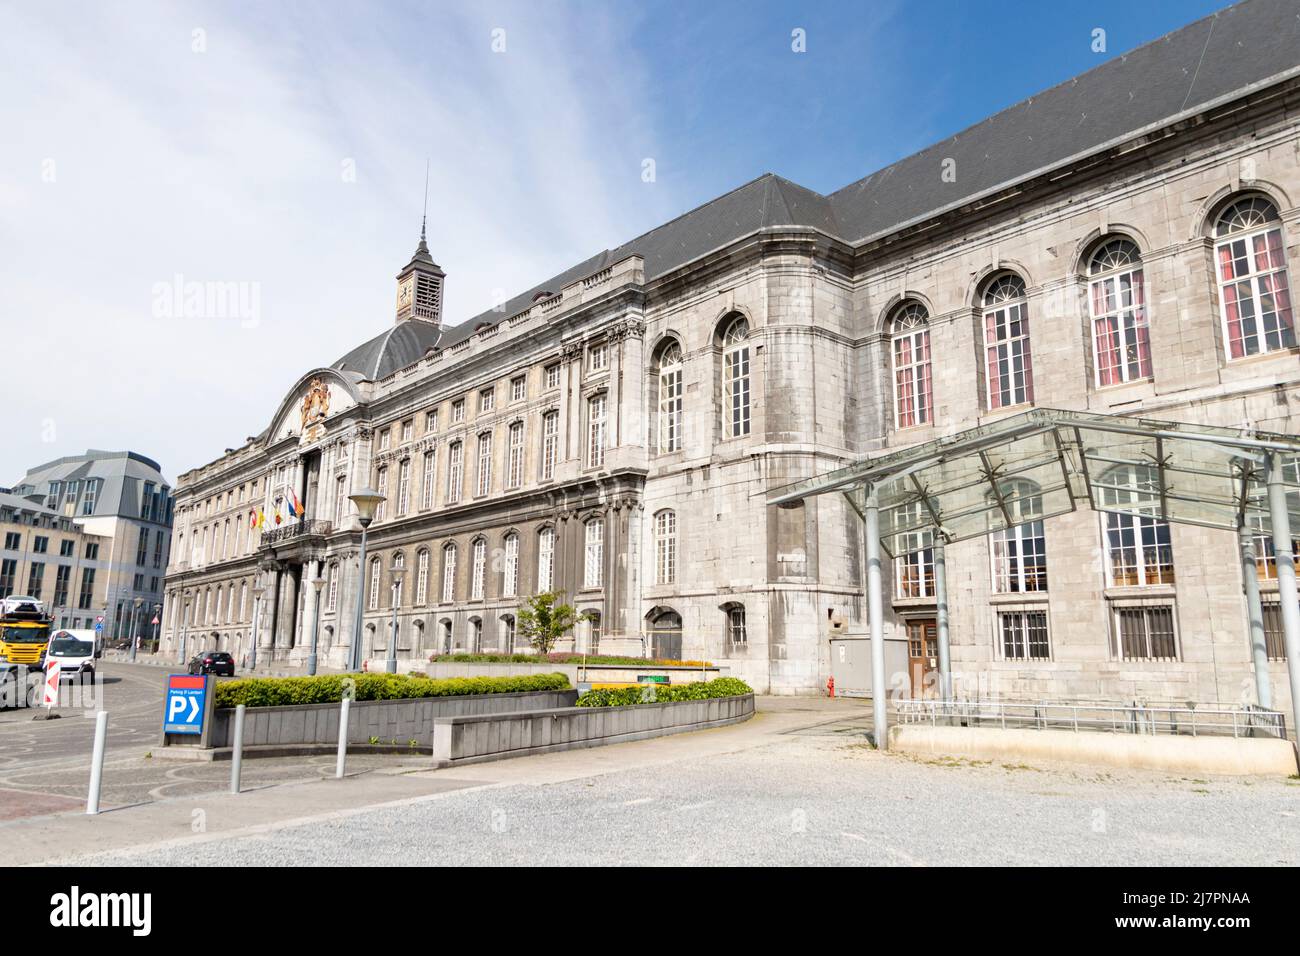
<point x="76" y="653"/>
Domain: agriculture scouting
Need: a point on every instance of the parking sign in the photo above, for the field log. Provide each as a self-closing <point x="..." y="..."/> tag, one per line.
<point x="185" y="704"/>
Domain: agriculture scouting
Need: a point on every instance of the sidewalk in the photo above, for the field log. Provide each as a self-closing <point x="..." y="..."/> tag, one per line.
<point x="216" y="816"/>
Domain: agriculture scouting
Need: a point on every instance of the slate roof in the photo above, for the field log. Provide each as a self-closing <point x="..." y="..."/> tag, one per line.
<point x="121" y="475"/>
<point x="1222" y="56"/>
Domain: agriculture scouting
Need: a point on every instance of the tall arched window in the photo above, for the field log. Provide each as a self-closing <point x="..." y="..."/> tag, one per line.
<point x="426" y="486"/>
<point x="510" y="566"/>
<point x="735" y="379"/>
<point x="399" y="561"/>
<point x="381" y="485"/>
<point x="403" y="486"/>
<point x="455" y="469"/>
<point x="1254" y="294"/>
<point x="449" y="572"/>
<point x="1116" y="299"/>
<point x="422" y="576"/>
<point x="595" y="563"/>
<point x="735" y="622"/>
<point x="340" y="501"/>
<point x="666" y="547"/>
<point x="508" y="633"/>
<point x="478" y="569"/>
<point x="596" y="409"/>
<point x="484" y="463"/>
<point x="374" y="583"/>
<point x="332" y="589"/>
<point x="670" y="398"/>
<point x="1006" y="342"/>
<point x="545" y="559"/>
<point x="910" y="337"/>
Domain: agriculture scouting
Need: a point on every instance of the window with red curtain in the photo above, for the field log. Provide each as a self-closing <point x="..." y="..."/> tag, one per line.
<point x="1120" y="339"/>
<point x="1006" y="343"/>
<point x="1254" y="291"/>
<point x="910" y="328"/>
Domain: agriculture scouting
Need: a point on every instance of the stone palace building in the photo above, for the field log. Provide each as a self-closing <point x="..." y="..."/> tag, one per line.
<point x="1119" y="243"/>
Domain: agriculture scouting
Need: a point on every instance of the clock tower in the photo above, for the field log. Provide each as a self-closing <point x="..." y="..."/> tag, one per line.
<point x="419" y="287"/>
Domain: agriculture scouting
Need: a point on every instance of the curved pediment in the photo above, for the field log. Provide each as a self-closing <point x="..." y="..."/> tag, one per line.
<point x="314" y="399"/>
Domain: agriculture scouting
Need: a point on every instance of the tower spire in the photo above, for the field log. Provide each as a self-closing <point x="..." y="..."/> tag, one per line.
<point x="425" y="218"/>
<point x="419" y="284"/>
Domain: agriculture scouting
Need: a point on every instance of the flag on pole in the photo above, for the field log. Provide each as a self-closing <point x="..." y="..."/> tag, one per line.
<point x="293" y="511"/>
<point x="297" y="506"/>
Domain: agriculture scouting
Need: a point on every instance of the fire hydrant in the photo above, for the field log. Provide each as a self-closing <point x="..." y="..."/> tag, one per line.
<point x="830" y="687"/>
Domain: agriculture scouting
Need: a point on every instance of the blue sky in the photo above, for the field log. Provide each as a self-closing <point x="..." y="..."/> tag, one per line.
<point x="282" y="147"/>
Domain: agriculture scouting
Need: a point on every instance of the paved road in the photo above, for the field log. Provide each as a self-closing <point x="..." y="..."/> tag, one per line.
<point x="810" y="792"/>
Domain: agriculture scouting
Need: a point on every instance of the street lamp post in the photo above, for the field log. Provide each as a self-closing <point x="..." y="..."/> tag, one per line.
<point x="366" y="500"/>
<point x="135" y="627"/>
<point x="258" y="590"/>
<point x="317" y="582"/>
<point x="397" y="571"/>
<point x="157" y="624"/>
<point x="185" y="620"/>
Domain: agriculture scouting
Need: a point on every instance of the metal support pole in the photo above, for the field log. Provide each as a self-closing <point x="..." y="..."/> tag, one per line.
<point x="1284" y="555"/>
<point x="237" y="754"/>
<point x="315" y="633"/>
<point x="1255" y="616"/>
<point x="355" y="656"/>
<point x="941" y="613"/>
<point x="875" y="615"/>
<point x="97" y="762"/>
<point x="257" y="617"/>
<point x="343" y="738"/>
<point x="390" y="665"/>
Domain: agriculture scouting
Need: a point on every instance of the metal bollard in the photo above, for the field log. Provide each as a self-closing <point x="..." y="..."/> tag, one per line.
<point x="343" y="739"/>
<point x="97" y="762"/>
<point x="237" y="756"/>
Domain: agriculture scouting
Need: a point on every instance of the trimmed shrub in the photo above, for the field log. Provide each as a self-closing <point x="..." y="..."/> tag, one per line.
<point x="658" y="693"/>
<point x="561" y="658"/>
<point x="328" y="688"/>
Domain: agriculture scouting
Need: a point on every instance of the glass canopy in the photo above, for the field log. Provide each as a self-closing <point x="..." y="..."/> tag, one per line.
<point x="1046" y="462"/>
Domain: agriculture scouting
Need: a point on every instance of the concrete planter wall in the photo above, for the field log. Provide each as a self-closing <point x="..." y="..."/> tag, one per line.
<point x="595" y="673"/>
<point x="462" y="740"/>
<point x="400" y="720"/>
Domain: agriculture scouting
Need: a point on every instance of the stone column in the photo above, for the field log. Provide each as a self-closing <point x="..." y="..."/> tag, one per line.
<point x="309" y="570"/>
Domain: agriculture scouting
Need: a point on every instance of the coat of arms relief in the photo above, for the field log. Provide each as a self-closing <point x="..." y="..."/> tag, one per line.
<point x="315" y="408"/>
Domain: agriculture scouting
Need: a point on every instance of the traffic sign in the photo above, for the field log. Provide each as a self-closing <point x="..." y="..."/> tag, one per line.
<point x="51" y="684"/>
<point x="99" y="619"/>
<point x="185" y="705"/>
<point x="99" y="627"/>
<point x="155" y="619"/>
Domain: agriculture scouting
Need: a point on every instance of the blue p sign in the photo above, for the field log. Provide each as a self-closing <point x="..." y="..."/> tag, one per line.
<point x="186" y="700"/>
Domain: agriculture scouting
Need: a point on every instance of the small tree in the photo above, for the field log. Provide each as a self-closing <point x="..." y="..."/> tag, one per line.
<point x="543" y="620"/>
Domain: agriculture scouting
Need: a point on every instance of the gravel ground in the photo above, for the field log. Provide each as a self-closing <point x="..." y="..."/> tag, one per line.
<point x="805" y="799"/>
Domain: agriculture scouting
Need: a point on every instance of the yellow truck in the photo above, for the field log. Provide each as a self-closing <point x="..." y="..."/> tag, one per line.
<point x="24" y="637"/>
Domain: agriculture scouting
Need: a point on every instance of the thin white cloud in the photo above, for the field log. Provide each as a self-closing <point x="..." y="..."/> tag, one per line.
<point x="227" y="166"/>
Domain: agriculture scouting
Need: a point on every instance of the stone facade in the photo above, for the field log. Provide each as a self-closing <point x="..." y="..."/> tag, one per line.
<point x="759" y="588"/>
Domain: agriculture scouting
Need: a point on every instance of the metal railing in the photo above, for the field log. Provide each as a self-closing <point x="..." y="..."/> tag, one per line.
<point x="296" y="530"/>
<point x="1132" y="718"/>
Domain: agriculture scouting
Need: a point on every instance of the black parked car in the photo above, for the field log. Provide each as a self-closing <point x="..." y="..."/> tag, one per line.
<point x="213" y="662"/>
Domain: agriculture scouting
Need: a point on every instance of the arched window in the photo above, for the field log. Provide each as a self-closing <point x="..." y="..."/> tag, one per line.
<point x="735" y="379"/>
<point x="449" y="572"/>
<point x="550" y="444"/>
<point x="545" y="559"/>
<point x="381" y="485"/>
<point x="510" y="566"/>
<point x="332" y="588"/>
<point x="422" y="576"/>
<point x="1019" y="553"/>
<point x="374" y="583"/>
<point x="340" y="501"/>
<point x="910" y="337"/>
<point x="455" y="470"/>
<point x="403" y="486"/>
<point x="666" y="635"/>
<point x="670" y="397"/>
<point x="445" y="627"/>
<point x="475" y="635"/>
<point x="478" y="569"/>
<point x="1254" y="294"/>
<point x="593" y="576"/>
<point x="593" y="632"/>
<point x="426" y="481"/>
<point x="1006" y="342"/>
<point x="515" y="456"/>
<point x="596" y="410"/>
<point x="1116" y="298"/>
<point x="508" y="633"/>
<point x="243" y="601"/>
<point x="666" y="547"/>
<point x="484" y="463"/>
<point x="1138" y="549"/>
<point x="399" y="561"/>
<point x="914" y="566"/>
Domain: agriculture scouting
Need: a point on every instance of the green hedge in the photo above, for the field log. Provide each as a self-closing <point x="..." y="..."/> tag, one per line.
<point x="328" y="688"/>
<point x="659" y="693"/>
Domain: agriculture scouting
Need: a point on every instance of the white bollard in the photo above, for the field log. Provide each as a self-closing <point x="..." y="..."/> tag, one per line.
<point x="237" y="756"/>
<point x="97" y="762"/>
<point x="343" y="739"/>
